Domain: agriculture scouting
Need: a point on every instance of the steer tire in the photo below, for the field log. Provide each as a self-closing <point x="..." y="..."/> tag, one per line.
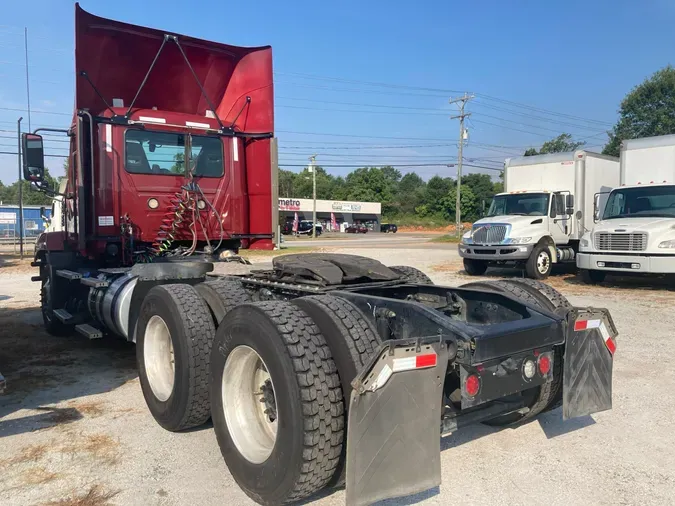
<point x="308" y="403"/>
<point x="592" y="276"/>
<point x="222" y="296"/>
<point x="184" y="402"/>
<point x="538" y="294"/>
<point x="412" y="275"/>
<point x="352" y="341"/>
<point x="475" y="267"/>
<point x="540" y="263"/>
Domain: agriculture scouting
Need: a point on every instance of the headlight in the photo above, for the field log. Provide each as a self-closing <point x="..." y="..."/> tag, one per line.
<point x="466" y="238"/>
<point x="667" y="244"/>
<point x="584" y="243"/>
<point x="519" y="240"/>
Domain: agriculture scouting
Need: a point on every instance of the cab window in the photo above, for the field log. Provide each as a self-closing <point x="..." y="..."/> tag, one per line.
<point x="163" y="153"/>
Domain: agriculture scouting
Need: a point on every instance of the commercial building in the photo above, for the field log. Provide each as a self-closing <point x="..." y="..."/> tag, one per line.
<point x="33" y="224"/>
<point x="345" y="213"/>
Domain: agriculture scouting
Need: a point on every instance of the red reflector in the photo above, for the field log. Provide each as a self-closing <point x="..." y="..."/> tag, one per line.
<point x="425" y="360"/>
<point x="580" y="325"/>
<point x="544" y="364"/>
<point x="611" y="345"/>
<point x="472" y="385"/>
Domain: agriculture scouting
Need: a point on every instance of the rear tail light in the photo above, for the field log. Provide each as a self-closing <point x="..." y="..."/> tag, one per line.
<point x="472" y="385"/>
<point x="544" y="365"/>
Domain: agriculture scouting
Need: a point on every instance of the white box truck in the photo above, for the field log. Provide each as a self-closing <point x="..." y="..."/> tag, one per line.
<point x="546" y="207"/>
<point x="636" y="231"/>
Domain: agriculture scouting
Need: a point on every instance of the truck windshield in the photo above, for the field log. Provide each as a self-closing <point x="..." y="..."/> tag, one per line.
<point x="519" y="204"/>
<point x="648" y="201"/>
<point x="149" y="152"/>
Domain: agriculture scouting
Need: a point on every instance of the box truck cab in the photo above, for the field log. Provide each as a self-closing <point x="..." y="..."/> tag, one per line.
<point x="636" y="228"/>
<point x="539" y="219"/>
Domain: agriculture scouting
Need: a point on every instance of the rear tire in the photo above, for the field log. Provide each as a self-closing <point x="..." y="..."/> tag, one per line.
<point x="412" y="275"/>
<point x="222" y="296"/>
<point x="539" y="265"/>
<point x="592" y="276"/>
<point x="549" y="395"/>
<point x="352" y="341"/>
<point x="307" y="401"/>
<point x="173" y="344"/>
<point x="475" y="267"/>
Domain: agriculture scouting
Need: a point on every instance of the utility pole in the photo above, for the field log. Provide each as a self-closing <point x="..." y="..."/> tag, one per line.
<point x="18" y="156"/>
<point x="25" y="46"/>
<point x="312" y="169"/>
<point x="462" y="136"/>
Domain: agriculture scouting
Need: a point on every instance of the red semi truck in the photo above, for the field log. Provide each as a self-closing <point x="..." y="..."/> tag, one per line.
<point x="324" y="370"/>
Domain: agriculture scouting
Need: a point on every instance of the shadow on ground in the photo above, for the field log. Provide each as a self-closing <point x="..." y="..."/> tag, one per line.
<point x="43" y="370"/>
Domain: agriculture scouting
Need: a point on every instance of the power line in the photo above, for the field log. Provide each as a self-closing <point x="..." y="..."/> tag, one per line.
<point x="33" y="111"/>
<point x="538" y="109"/>
<point x="530" y="125"/>
<point x="361" y="111"/>
<point x="367" y="83"/>
<point x="48" y="156"/>
<point x="531" y="116"/>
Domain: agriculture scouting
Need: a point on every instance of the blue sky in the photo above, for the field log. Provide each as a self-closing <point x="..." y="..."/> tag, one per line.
<point x="523" y="60"/>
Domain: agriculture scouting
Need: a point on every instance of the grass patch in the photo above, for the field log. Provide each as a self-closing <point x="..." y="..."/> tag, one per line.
<point x="37" y="476"/>
<point x="446" y="238"/>
<point x="100" y="447"/>
<point x="95" y="496"/>
<point x="31" y="453"/>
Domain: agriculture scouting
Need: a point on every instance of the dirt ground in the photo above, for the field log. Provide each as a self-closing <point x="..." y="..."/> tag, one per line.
<point x="74" y="429"/>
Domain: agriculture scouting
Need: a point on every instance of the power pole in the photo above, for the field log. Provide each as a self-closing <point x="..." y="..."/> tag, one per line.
<point x="312" y="169"/>
<point x="462" y="136"/>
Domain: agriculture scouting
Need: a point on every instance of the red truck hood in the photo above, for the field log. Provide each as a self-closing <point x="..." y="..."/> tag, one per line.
<point x="116" y="56"/>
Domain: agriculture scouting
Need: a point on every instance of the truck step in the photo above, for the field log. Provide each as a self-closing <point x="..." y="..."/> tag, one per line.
<point x="115" y="270"/>
<point x="94" y="282"/>
<point x="71" y="275"/>
<point x="88" y="331"/>
<point x="36" y="264"/>
<point x="63" y="315"/>
<point x="36" y="278"/>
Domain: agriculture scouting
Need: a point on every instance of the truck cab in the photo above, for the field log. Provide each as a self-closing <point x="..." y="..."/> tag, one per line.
<point x="543" y="213"/>
<point x="520" y="225"/>
<point x="636" y="234"/>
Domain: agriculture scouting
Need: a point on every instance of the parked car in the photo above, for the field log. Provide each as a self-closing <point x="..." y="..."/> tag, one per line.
<point x="305" y="228"/>
<point x="356" y="229"/>
<point x="388" y="227"/>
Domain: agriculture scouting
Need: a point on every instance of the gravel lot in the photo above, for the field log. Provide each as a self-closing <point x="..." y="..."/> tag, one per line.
<point x="74" y="422"/>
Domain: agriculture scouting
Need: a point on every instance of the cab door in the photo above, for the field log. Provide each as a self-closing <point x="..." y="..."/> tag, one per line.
<point x="560" y="221"/>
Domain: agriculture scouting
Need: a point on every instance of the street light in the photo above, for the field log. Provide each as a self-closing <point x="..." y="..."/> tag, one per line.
<point x="312" y="159"/>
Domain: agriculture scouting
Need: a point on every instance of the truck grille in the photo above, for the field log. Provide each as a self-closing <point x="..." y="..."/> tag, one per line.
<point x="606" y="241"/>
<point x="488" y="234"/>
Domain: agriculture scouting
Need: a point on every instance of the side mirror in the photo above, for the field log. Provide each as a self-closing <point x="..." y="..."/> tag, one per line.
<point x="43" y="212"/>
<point x="33" y="158"/>
<point x="596" y="208"/>
<point x="569" y="204"/>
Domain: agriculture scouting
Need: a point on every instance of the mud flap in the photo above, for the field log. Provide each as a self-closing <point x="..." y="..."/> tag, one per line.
<point x="589" y="352"/>
<point x="393" y="435"/>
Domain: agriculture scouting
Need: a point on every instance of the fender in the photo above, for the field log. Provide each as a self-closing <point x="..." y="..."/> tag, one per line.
<point x="550" y="244"/>
<point x="50" y="241"/>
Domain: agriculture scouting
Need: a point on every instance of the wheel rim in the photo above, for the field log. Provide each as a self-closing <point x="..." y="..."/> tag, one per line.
<point x="249" y="404"/>
<point x="158" y="357"/>
<point x="543" y="262"/>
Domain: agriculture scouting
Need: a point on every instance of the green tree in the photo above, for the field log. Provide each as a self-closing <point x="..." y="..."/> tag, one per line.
<point x="436" y="190"/>
<point x="468" y="202"/>
<point x="561" y="144"/>
<point x="31" y="196"/>
<point x="648" y="110"/>
<point x="287" y="183"/>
